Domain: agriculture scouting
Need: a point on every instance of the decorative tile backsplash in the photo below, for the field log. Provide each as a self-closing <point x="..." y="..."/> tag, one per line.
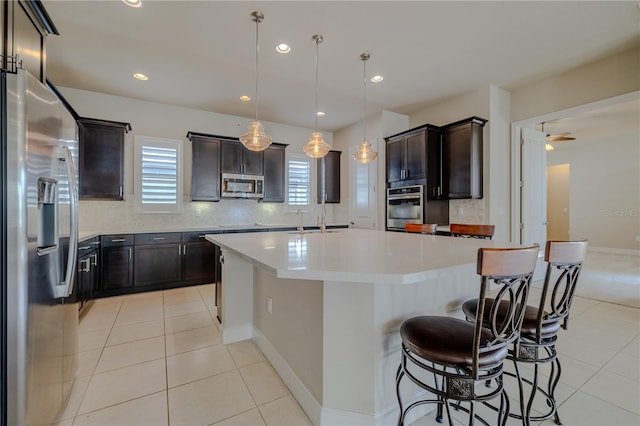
<point x="466" y="211"/>
<point x="120" y="216"/>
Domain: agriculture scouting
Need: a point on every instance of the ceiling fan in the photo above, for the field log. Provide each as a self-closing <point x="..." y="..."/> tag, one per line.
<point x="558" y="137"/>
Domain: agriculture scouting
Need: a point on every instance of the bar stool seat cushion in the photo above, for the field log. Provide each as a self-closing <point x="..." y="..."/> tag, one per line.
<point x="529" y="324"/>
<point x="447" y="341"/>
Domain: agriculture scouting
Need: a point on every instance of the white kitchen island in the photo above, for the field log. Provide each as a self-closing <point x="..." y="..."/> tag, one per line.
<point x="325" y="309"/>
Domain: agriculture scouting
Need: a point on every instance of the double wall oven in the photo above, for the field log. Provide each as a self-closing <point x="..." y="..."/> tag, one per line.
<point x="404" y="205"/>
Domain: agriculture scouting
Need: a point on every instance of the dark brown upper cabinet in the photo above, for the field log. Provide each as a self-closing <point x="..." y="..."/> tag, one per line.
<point x="205" y="167"/>
<point x="101" y="158"/>
<point x="332" y="177"/>
<point x="274" y="173"/>
<point x="235" y="158"/>
<point x="406" y="155"/>
<point x="462" y="158"/>
<point x="25" y="26"/>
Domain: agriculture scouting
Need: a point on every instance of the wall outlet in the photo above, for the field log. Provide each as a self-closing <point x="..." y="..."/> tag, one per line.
<point x="197" y="212"/>
<point x="460" y="211"/>
<point x="269" y="304"/>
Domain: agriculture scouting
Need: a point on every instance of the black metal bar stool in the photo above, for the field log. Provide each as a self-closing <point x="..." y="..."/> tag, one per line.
<point x="539" y="333"/>
<point x="463" y="356"/>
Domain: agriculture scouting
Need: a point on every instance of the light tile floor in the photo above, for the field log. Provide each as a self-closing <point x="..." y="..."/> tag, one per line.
<point x="156" y="359"/>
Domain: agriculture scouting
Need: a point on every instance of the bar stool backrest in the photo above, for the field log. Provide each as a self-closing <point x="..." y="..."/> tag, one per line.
<point x="564" y="263"/>
<point x="422" y="228"/>
<point x="472" y="230"/>
<point x="511" y="269"/>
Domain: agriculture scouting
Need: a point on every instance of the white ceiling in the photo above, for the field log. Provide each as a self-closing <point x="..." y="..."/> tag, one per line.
<point x="201" y="54"/>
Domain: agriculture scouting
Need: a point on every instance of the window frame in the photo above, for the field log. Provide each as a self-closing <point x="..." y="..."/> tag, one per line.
<point x="312" y="167"/>
<point x="151" y="141"/>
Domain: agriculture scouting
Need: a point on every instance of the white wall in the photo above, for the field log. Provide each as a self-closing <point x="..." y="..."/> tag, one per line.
<point x="165" y="121"/>
<point x="604" y="194"/>
<point x="615" y="75"/>
<point x="379" y="126"/>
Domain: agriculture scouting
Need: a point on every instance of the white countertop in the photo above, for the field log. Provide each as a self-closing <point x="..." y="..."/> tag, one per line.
<point x="354" y="255"/>
<point x="86" y="234"/>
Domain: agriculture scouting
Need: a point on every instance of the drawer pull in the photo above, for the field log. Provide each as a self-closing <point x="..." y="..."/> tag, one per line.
<point x="95" y="243"/>
<point x="118" y="240"/>
<point x="200" y="236"/>
<point x="84" y="248"/>
<point x="158" y="238"/>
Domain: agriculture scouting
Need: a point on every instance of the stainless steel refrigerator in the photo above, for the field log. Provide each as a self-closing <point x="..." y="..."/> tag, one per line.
<point x="39" y="244"/>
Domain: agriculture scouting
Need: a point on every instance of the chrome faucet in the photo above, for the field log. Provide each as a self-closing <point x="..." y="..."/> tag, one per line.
<point x="300" y="228"/>
<point x="322" y="220"/>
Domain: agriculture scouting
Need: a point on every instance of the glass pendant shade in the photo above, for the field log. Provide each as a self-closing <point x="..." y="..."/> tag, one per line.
<point x="365" y="153"/>
<point x="316" y="147"/>
<point x="255" y="138"/>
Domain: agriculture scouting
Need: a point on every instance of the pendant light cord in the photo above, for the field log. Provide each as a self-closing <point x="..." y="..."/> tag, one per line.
<point x="317" y="40"/>
<point x="257" y="19"/>
<point x="364" y="91"/>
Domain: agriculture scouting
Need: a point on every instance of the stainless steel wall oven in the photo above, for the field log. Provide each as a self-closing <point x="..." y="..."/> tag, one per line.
<point x="404" y="205"/>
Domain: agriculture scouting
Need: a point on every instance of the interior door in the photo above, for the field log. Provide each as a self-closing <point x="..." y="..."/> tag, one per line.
<point x="533" y="194"/>
<point x="362" y="190"/>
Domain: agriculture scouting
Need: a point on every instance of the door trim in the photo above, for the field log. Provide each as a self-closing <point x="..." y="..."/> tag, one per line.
<point x="516" y="167"/>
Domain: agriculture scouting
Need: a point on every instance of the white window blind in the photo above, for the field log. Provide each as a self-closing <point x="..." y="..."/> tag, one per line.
<point x="299" y="182"/>
<point x="158" y="177"/>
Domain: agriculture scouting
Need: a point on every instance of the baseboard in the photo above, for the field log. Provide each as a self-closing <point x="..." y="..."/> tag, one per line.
<point x="307" y="401"/>
<point x="236" y="333"/>
<point x="320" y="415"/>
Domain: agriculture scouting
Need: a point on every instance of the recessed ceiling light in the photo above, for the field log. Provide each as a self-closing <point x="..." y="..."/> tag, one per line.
<point x="133" y="3"/>
<point x="140" y="76"/>
<point x="245" y="98"/>
<point x="283" y="48"/>
<point x="320" y="114"/>
<point x="377" y="78"/>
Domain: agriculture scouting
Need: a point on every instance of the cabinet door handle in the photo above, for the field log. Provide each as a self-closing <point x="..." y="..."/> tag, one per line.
<point x="184" y="249"/>
<point x="121" y="191"/>
<point x="95" y="259"/>
<point x="95" y="243"/>
<point x="221" y="259"/>
<point x="201" y="236"/>
<point x="158" y="238"/>
<point x="130" y="253"/>
<point x="118" y="240"/>
<point x="84" y="248"/>
<point x="85" y="265"/>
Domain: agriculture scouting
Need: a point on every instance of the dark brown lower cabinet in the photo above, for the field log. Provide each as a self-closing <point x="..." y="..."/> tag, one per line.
<point x="157" y="264"/>
<point x="155" y="261"/>
<point x="117" y="268"/>
<point x="198" y="262"/>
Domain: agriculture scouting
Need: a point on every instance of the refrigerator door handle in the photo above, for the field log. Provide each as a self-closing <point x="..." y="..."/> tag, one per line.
<point x="65" y="288"/>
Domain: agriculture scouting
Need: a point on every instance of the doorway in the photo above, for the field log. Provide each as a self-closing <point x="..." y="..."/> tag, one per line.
<point x="558" y="203"/>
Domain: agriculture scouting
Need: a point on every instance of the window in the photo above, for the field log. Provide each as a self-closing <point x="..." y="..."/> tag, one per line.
<point x="299" y="182"/>
<point x="158" y="175"/>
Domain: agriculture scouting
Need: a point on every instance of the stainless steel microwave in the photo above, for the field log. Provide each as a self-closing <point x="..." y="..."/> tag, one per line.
<point x="242" y="186"/>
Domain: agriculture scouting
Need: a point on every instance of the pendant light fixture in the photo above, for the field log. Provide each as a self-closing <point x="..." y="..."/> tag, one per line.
<point x="316" y="147"/>
<point x="365" y="153"/>
<point x="255" y="138"/>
